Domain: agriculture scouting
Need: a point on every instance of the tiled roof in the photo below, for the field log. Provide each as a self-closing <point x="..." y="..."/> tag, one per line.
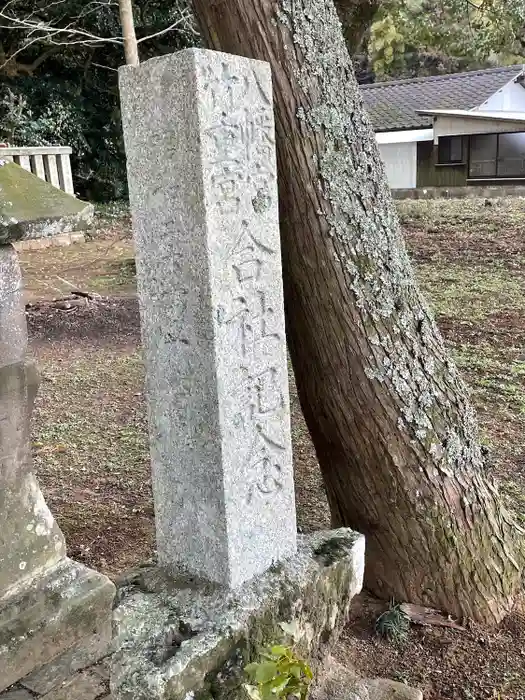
<point x="393" y="105"/>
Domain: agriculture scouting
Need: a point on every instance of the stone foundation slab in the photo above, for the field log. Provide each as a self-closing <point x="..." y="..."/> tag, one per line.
<point x="60" y="669"/>
<point x="179" y="638"/>
<point x="62" y="609"/>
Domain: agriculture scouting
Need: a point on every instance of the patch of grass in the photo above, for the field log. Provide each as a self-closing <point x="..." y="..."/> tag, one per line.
<point x="471" y="293"/>
<point x="81" y="404"/>
<point x="120" y="273"/>
<point x="91" y="453"/>
<point x="91" y="266"/>
<point x="462" y="216"/>
<point x="494" y="374"/>
<point x="496" y="377"/>
<point x="108" y="212"/>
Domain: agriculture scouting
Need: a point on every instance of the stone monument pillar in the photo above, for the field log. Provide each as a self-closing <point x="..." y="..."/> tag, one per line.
<point x="51" y="609"/>
<point x="199" y="135"/>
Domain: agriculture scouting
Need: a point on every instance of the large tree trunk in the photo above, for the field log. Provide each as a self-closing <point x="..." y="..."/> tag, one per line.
<point x="392" y="425"/>
<point x="356" y="17"/>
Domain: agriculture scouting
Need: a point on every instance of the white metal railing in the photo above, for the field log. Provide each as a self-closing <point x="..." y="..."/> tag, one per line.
<point x="50" y="163"/>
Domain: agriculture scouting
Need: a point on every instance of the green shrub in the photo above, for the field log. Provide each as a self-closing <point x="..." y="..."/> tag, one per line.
<point x="279" y="673"/>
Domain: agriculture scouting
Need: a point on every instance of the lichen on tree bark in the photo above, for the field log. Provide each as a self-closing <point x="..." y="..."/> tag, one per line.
<point x="389" y="415"/>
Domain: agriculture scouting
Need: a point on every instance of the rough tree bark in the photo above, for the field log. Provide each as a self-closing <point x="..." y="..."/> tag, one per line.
<point x="389" y="415"/>
<point x="356" y="17"/>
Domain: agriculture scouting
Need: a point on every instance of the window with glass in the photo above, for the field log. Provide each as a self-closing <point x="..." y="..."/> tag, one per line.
<point x="511" y="155"/>
<point x="497" y="155"/>
<point x="483" y="155"/>
<point x="450" y="150"/>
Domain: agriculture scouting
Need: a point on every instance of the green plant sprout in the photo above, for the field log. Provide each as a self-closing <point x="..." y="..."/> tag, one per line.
<point x="279" y="673"/>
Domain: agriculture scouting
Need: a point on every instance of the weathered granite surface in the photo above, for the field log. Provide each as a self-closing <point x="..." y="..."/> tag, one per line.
<point x="199" y="136"/>
<point x="64" y="666"/>
<point x="174" y="638"/>
<point x="16" y="694"/>
<point x="85" y="685"/>
<point x="30" y="541"/>
<point x="52" y="613"/>
<point x="32" y="208"/>
<point x="13" y="327"/>
<point x="48" y="604"/>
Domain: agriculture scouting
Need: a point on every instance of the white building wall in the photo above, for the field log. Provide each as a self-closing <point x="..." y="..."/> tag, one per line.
<point x="511" y="98"/>
<point x="400" y="161"/>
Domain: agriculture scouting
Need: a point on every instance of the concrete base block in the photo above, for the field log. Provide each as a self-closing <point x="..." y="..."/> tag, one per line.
<point x="83" y="654"/>
<point x="56" y="613"/>
<point x="85" y="685"/>
<point x="179" y="637"/>
<point x="60" y="241"/>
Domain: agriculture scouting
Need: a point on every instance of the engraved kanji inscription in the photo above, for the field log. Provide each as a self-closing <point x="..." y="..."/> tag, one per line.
<point x="240" y="138"/>
<point x="241" y="172"/>
<point x="260" y="401"/>
<point x="251" y="321"/>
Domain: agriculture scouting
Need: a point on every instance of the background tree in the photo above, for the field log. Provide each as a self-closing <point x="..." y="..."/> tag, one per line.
<point x="479" y="32"/>
<point x="357" y="17"/>
<point x="58" y="63"/>
<point x="391" y="422"/>
<point x="412" y="37"/>
<point x="58" y="72"/>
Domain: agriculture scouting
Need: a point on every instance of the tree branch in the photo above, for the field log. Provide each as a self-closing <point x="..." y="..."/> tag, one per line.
<point x="52" y="33"/>
<point x="181" y="20"/>
<point x="12" y="67"/>
<point x="356" y="17"/>
<point x="47" y="31"/>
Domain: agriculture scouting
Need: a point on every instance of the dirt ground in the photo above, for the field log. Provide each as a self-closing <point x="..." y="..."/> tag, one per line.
<point x="90" y="435"/>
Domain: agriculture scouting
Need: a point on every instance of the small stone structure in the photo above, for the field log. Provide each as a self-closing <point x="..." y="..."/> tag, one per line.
<point x="54" y="613"/>
<point x="199" y="136"/>
<point x="62" y="240"/>
<point x="31" y="208"/>
<point x="177" y="640"/>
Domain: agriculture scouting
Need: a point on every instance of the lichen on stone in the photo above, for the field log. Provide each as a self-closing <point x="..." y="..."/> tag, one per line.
<point x="232" y="625"/>
<point x="33" y="208"/>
